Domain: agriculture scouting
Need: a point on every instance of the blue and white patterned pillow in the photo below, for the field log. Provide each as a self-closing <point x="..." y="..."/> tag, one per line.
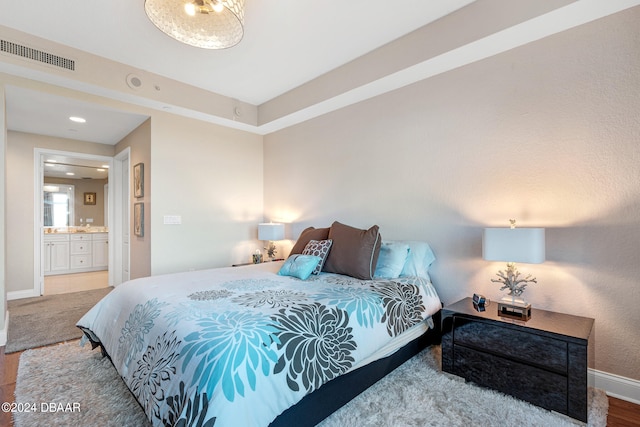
<point x="319" y="248"/>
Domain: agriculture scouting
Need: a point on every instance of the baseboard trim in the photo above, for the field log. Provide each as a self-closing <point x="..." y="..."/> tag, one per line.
<point x="27" y="293"/>
<point x="3" y="331"/>
<point x="615" y="385"/>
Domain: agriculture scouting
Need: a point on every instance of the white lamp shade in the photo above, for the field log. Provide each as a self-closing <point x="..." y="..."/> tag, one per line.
<point x="270" y="231"/>
<point x="514" y="245"/>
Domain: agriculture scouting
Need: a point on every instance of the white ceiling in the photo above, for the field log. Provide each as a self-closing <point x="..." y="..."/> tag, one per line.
<point x="287" y="43"/>
<point x="46" y="114"/>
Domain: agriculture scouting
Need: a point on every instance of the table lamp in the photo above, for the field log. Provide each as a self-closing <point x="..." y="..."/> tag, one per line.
<point x="514" y="245"/>
<point x="270" y="232"/>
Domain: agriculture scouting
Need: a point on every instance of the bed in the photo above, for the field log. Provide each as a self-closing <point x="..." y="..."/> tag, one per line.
<point x="252" y="346"/>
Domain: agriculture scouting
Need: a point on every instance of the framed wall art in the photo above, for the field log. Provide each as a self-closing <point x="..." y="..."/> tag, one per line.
<point x="138" y="180"/>
<point x="89" y="198"/>
<point x="138" y="219"/>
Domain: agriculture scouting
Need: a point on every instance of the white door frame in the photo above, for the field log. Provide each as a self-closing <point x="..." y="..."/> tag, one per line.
<point x="39" y="156"/>
<point x="120" y="221"/>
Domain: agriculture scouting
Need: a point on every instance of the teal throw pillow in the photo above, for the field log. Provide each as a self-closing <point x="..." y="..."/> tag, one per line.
<point x="299" y="266"/>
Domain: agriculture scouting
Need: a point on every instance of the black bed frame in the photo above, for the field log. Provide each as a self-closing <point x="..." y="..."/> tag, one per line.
<point x="317" y="406"/>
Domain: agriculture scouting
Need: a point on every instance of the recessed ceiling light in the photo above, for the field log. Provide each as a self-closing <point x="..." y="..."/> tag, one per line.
<point x="52" y="161"/>
<point x="70" y="173"/>
<point x="77" y="119"/>
<point x="105" y="166"/>
<point x="101" y="170"/>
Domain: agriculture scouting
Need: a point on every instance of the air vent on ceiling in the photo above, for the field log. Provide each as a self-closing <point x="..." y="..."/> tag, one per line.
<point x="37" y="55"/>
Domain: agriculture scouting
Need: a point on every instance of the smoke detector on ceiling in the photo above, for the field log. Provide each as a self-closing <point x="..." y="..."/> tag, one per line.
<point x="134" y="81"/>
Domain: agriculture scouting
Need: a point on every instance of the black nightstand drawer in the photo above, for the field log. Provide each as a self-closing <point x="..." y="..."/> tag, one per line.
<point x="519" y="345"/>
<point x="545" y="389"/>
<point x="542" y="360"/>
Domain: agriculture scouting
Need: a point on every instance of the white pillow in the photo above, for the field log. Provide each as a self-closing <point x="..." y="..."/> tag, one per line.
<point x="393" y="256"/>
<point x="419" y="260"/>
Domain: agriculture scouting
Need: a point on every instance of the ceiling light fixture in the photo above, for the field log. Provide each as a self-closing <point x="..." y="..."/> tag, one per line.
<point x="77" y="119"/>
<point x="209" y="24"/>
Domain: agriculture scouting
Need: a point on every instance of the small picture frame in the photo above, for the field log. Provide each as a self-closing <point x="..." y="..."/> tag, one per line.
<point x="138" y="180"/>
<point x="89" y="198"/>
<point x="138" y="219"/>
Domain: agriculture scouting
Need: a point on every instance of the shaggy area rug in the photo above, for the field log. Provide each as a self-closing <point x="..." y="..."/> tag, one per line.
<point x="39" y="321"/>
<point x="68" y="374"/>
<point x="419" y="394"/>
<point x="415" y="394"/>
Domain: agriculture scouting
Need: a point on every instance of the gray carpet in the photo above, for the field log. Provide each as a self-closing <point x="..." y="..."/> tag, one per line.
<point x="416" y="394"/>
<point x="39" y="321"/>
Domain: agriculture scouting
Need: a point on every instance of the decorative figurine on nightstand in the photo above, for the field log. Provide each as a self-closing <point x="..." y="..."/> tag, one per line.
<point x="271" y="250"/>
<point x="269" y="232"/>
<point x="257" y="257"/>
<point x="514" y="245"/>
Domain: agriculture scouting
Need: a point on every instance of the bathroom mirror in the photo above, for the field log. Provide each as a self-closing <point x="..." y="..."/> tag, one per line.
<point x="58" y="205"/>
<point x="74" y="192"/>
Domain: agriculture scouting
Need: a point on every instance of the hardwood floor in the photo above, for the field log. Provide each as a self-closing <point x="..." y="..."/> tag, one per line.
<point x="65" y="283"/>
<point x="8" y="375"/>
<point x="621" y="413"/>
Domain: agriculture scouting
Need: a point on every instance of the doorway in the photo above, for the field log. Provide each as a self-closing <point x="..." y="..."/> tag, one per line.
<point x="81" y="253"/>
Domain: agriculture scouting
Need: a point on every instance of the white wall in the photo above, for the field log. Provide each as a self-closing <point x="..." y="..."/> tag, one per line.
<point x="547" y="133"/>
<point x="3" y="290"/>
<point x="211" y="176"/>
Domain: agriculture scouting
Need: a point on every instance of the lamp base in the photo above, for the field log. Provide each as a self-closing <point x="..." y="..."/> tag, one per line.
<point x="514" y="308"/>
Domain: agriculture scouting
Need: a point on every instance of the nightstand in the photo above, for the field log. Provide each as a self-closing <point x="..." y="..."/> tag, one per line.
<point x="542" y="360"/>
<point x="251" y="263"/>
<point x="241" y="264"/>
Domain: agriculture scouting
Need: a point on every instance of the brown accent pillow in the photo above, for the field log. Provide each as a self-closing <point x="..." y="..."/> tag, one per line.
<point x="354" y="251"/>
<point x="306" y="236"/>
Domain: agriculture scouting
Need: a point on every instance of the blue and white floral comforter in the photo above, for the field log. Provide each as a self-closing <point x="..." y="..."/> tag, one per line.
<point x="238" y="346"/>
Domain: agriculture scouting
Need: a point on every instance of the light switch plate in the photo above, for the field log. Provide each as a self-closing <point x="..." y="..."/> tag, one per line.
<point x="172" y="219"/>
